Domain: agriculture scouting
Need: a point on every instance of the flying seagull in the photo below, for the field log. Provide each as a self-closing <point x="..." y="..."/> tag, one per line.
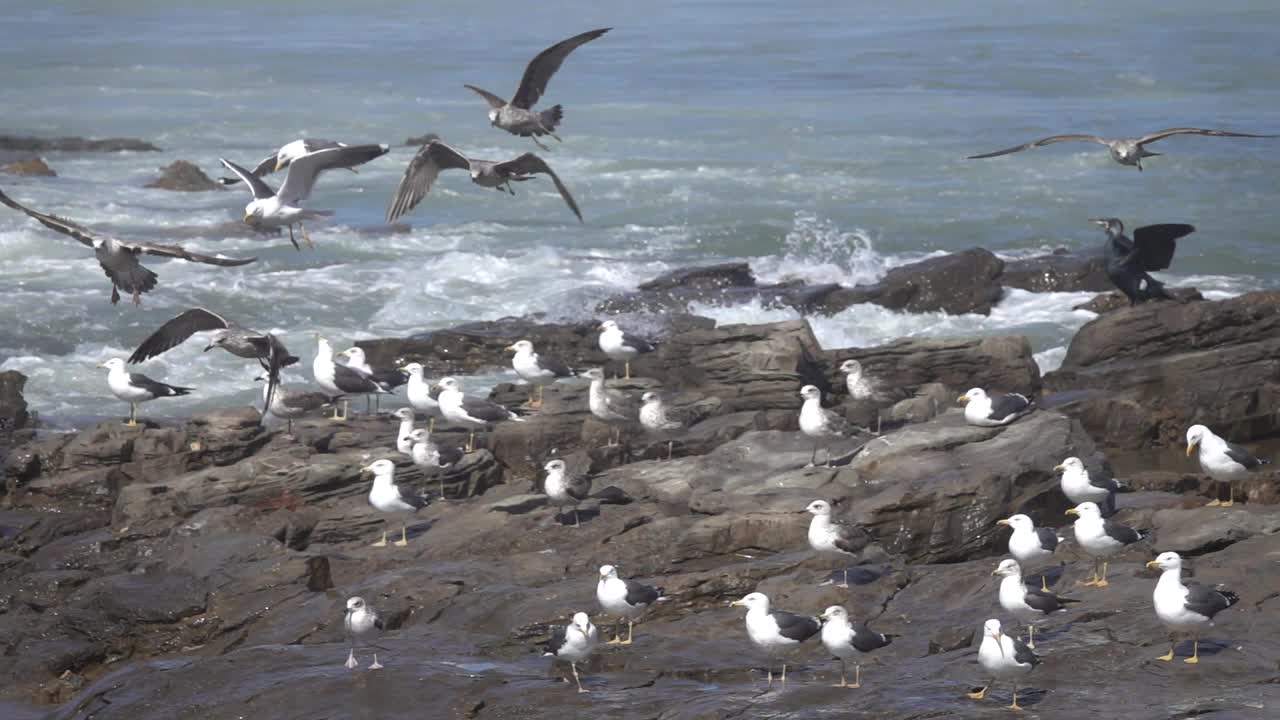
<point x="119" y="258"/>
<point x="1129" y="261"/>
<point x="284" y="208"/>
<point x="518" y="116"/>
<point x="1126" y="151"/>
<point x="287" y="153"/>
<point x="436" y="156"/>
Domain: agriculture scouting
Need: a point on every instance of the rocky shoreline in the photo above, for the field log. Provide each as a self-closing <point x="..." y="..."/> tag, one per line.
<point x="175" y="571"/>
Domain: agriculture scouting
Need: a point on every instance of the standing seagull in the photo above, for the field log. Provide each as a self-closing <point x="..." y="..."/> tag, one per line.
<point x="290" y="404"/>
<point x="269" y="208"/>
<point x="614" y="407"/>
<point x="341" y="380"/>
<point x="1024" y="603"/>
<point x="834" y="538"/>
<point x="287" y="153"/>
<point x="996" y="409"/>
<point x="821" y="424"/>
<point x="429" y="456"/>
<point x="404" y="444"/>
<point x="624" y="599"/>
<point x="1126" y="151"/>
<point x="436" y="156"/>
<point x="1128" y="262"/>
<point x="389" y="379"/>
<point x="1029" y="543"/>
<point x="422" y="394"/>
<point x="134" y="388"/>
<point x="385" y="496"/>
<point x="518" y="116"/>
<point x="1003" y="657"/>
<point x="658" y="417"/>
<point x="119" y="258"/>
<point x="620" y="346"/>
<point x="361" y="623"/>
<point x="472" y="413"/>
<point x="537" y="370"/>
<point x="845" y="640"/>
<point x="1100" y="538"/>
<point x="775" y="631"/>
<point x="565" y="489"/>
<point x="1221" y="460"/>
<point x="573" y="643"/>
<point x="1089" y="483"/>
<point x="1185" y="607"/>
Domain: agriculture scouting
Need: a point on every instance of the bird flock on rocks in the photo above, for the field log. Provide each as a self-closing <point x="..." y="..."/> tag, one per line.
<point x="1186" y="608"/>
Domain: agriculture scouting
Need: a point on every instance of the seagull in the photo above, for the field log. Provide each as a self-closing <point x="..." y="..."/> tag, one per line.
<point x="1003" y="656"/>
<point x="1029" y="543"/>
<point x="821" y="424"/>
<point x="996" y="409"/>
<point x="614" y="407"/>
<point x="657" y="416"/>
<point x="290" y="404"/>
<point x="1100" y="538"/>
<point x="119" y="258"/>
<point x="404" y="445"/>
<point x="518" y="116"/>
<point x="436" y="156"/>
<point x="565" y="489"/>
<point x="1221" y="460"/>
<point x="287" y="153"/>
<point x="429" y="456"/>
<point x="1023" y="603"/>
<point x="422" y="394"/>
<point x="846" y="640"/>
<point x="472" y="413"/>
<point x="134" y="388"/>
<point x="269" y="208"/>
<point x="624" y="599"/>
<point x="573" y="643"/>
<point x="386" y="497"/>
<point x="775" y="631"/>
<point x="1129" y="261"/>
<point x="1185" y="607"/>
<point x="831" y="537"/>
<point x="361" y="623"/>
<point x="537" y="370"/>
<point x="389" y="379"/>
<point x="1092" y="483"/>
<point x="341" y="380"/>
<point x="1126" y="151"/>
<point x="860" y="386"/>
<point x="620" y="346"/>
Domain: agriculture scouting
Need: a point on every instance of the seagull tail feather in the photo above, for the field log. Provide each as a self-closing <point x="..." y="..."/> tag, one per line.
<point x="551" y="117"/>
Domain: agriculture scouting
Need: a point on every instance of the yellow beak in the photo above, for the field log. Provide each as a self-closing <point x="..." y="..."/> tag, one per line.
<point x="1002" y="522"/>
<point x="993" y="572"/>
<point x="510" y="348"/>
<point x="248" y="217"/>
<point x="736" y="603"/>
<point x="963" y="398"/>
<point x="102" y="364"/>
<point x="278" y="166"/>
<point x="1190" y="448"/>
<point x="1073" y="511"/>
<point x="1059" y="468"/>
<point x="1153" y="564"/>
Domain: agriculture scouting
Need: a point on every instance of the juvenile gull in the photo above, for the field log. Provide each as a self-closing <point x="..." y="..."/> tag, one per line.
<point x="1100" y="538"/>
<point x="427" y="455"/>
<point x="614" y="407"/>
<point x="573" y="643"/>
<point x="1029" y="543"/>
<point x="119" y="258"/>
<point x="660" y="418"/>
<point x="363" y="624"/>
<point x="472" y="413"/>
<point x="518" y="116"/>
<point x="422" y="394"/>
<point x="287" y="153"/>
<point x="1128" y="262"/>
<point x="340" y="379"/>
<point x="537" y="370"/>
<point x="291" y="404"/>
<point x="621" y="346"/>
<point x="775" y="631"/>
<point x="821" y="424"/>
<point x="996" y="409"/>
<point x="404" y="444"/>
<point x="1023" y="603"/>
<point x="385" y="496"/>
<point x="389" y="379"/>
<point x="435" y="156"/>
<point x="134" y="388"/>
<point x="848" y="640"/>
<point x="1221" y="460"/>
<point x="834" y="538"/>
<point x="863" y="388"/>
<point x="564" y="488"/>
<point x="1004" y="658"/>
<point x="624" y="599"/>
<point x="1185" y="607"/>
<point x="1126" y="151"/>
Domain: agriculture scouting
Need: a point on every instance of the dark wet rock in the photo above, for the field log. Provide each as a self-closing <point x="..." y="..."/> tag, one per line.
<point x="1059" y="271"/>
<point x="1197" y="530"/>
<point x="31" y="167"/>
<point x="1003" y="363"/>
<point x="184" y="176"/>
<point x="1260" y="488"/>
<point x="13" y="407"/>
<point x="74" y="144"/>
<point x="1115" y="300"/>
<point x="708" y="276"/>
<point x="957" y="283"/>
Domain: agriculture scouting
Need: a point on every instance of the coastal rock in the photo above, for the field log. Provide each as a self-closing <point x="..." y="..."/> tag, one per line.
<point x="1114" y="300"/>
<point x="13" y="407"/>
<point x="708" y="276"/>
<point x="32" y="167"/>
<point x="74" y="144"/>
<point x="1060" y="271"/>
<point x="956" y="283"/>
<point x="184" y="176"/>
<point x="1002" y="363"/>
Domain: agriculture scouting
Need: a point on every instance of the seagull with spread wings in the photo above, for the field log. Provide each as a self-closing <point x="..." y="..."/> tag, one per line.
<point x="290" y="151"/>
<point x="1126" y="151"/>
<point x="435" y="156"/>
<point x="518" y="116"/>
<point x="119" y="258"/>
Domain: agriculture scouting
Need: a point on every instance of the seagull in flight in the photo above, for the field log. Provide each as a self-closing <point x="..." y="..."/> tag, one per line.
<point x="287" y="153"/>
<point x="1126" y="151"/>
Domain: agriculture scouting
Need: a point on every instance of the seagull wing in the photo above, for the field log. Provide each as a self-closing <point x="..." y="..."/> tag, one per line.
<point x="176" y="331"/>
<point x="176" y="251"/>
<point x="622" y="404"/>
<point x="1243" y="456"/>
<point x="641" y="594"/>
<point x="530" y="164"/>
<point x="1004" y="405"/>
<point x="796" y="627"/>
<point x="53" y="222"/>
<point x="1023" y="654"/>
<point x="1156" y="244"/>
<point x="303" y="171"/>
<point x="1042" y="141"/>
<point x="493" y="100"/>
<point x="421" y="174"/>
<point x="1048" y="538"/>
<point x="1207" y="601"/>
<point x="545" y="64"/>
<point x="257" y="186"/>
<point x="1162" y="134"/>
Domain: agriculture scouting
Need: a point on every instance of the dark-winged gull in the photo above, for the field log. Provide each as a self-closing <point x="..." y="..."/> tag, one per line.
<point x="620" y="346"/>
<point x="819" y="423"/>
<point x="573" y="643"/>
<point x="270" y="208"/>
<point x="614" y="407"/>
<point x="1185" y="607"/>
<point x="1221" y="460"/>
<point x="995" y="409"/>
<point x="565" y="488"/>
<point x="1092" y="482"/>
<point x="1100" y="538"/>
<point x="287" y="153"/>
<point x="775" y="631"/>
<point x="626" y="599"/>
<point x="388" y="379"/>
<point x="536" y="369"/>
<point x="518" y="116"/>
<point x="471" y="413"/>
<point x="119" y="258"/>
<point x="404" y="445"/>
<point x="1029" y="543"/>
<point x="1004" y="658"/>
<point x="435" y="156"/>
<point x="1126" y="151"/>
<point x="341" y="380"/>
<point x="363" y="624"/>
<point x="291" y="404"/>
<point x="135" y="388"/>
<point x="847" y="640"/>
<point x="834" y="538"/>
<point x="429" y="456"/>
<point x="423" y="394"/>
<point x="385" y="496"/>
<point x="1025" y="603"/>
<point x="661" y="418"/>
<point x="1128" y="262"/>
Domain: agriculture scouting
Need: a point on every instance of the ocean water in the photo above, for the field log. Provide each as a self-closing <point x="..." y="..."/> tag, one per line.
<point x="815" y="139"/>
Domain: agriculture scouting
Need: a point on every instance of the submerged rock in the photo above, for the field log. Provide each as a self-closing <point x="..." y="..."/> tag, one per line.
<point x="74" y="144"/>
<point x="184" y="176"/>
<point x="34" y="167"/>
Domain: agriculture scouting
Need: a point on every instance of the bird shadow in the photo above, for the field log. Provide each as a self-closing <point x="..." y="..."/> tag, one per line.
<point x="584" y="515"/>
<point x="858" y="575"/>
<point x="419" y="529"/>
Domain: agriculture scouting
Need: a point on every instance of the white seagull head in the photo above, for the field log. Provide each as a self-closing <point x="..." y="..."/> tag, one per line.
<point x="403" y="414"/>
<point x="521" y="347"/>
<point x="650" y="397"/>
<point x="419" y="435"/>
<point x="1071" y="464"/>
<point x="554" y="466"/>
<point x="449" y="384"/>
<point x="1008" y="568"/>
<point x="973" y="394"/>
<point x="413" y="369"/>
<point x="583" y="622"/>
<point x="851" y="367"/>
<point x="593" y="374"/>
<point x="810" y="392"/>
<point x="1017" y="522"/>
<point x="1167" y="561"/>
<point x="380" y="468"/>
<point x="1086" y="511"/>
<point x="835" y="612"/>
<point x="1196" y="435"/>
<point x="608" y="572"/>
<point x="355" y="603"/>
<point x="113" y="364"/>
<point x="819" y="507"/>
<point x="753" y="601"/>
<point x="991" y="628"/>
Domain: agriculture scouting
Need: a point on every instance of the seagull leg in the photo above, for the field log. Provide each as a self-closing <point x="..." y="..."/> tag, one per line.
<point x="1231" y="494"/>
<point x="1167" y="657"/>
<point x="305" y="237"/>
<point x="1195" y="651"/>
<point x="383" y="541"/>
<point x="137" y="297"/>
<point x="574" y="668"/>
<point x="771" y="676"/>
<point x="845" y="584"/>
<point x="617" y="633"/>
<point x="376" y="665"/>
<point x="133" y="415"/>
<point x="442" y="497"/>
<point x="1217" y="495"/>
<point x="784" y="674"/>
<point x="828" y="456"/>
<point x="843" y="682"/>
<point x="857" y="676"/>
<point x="670" y="445"/>
<point x="813" y="457"/>
<point x="404" y="540"/>
<point x="1102" y="581"/>
<point x="295" y="242"/>
<point x="626" y="365"/>
<point x="471" y="442"/>
<point x="978" y="695"/>
<point x="351" y="660"/>
<point x="1031" y="636"/>
<point x="575" y="517"/>
<point x="631" y="626"/>
<point x="431" y="425"/>
<point x="1015" y="705"/>
<point x="534" y="138"/>
<point x="1044" y="582"/>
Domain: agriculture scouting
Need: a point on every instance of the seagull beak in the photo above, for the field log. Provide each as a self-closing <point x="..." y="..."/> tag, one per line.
<point x="1073" y="511"/>
<point x="102" y="364"/>
<point x="1153" y="564"/>
<point x="736" y="603"/>
<point x="510" y="348"/>
<point x="1002" y="522"/>
<point x="995" y="572"/>
<point x="248" y="217"/>
<point x="1059" y="468"/>
<point x="279" y="165"/>
<point x="209" y="347"/>
<point x="1190" y="448"/>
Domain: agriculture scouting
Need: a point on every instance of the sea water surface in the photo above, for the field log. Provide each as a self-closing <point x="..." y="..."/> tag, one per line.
<point x="823" y="140"/>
